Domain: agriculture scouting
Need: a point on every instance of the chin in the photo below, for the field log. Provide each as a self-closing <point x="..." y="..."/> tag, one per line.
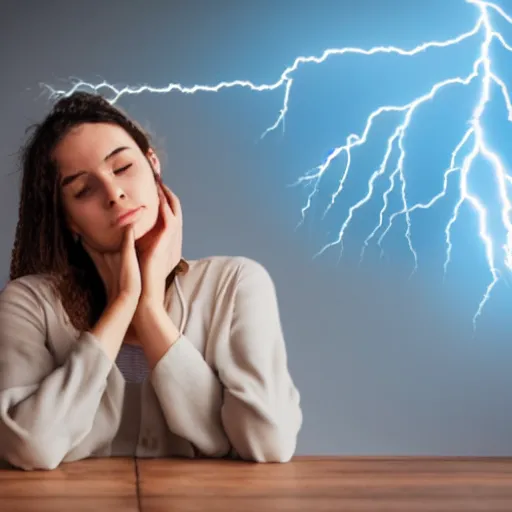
<point x="144" y="225"/>
<point x="140" y="230"/>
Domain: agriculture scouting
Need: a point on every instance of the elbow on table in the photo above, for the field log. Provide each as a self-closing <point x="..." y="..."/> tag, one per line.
<point x="273" y="448"/>
<point x="277" y="440"/>
<point x="263" y="437"/>
<point x="34" y="455"/>
<point x="270" y="443"/>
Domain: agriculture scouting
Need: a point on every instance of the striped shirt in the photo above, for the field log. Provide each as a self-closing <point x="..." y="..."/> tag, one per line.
<point x="132" y="363"/>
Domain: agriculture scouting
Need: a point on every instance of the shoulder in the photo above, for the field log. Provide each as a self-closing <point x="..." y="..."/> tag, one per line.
<point x="24" y="306"/>
<point x="233" y="268"/>
<point x="226" y="273"/>
<point x="33" y="290"/>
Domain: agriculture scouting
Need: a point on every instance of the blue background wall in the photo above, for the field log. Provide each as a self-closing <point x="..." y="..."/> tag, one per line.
<point x="385" y="363"/>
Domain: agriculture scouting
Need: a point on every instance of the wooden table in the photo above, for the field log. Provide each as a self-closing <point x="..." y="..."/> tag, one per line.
<point x="312" y="484"/>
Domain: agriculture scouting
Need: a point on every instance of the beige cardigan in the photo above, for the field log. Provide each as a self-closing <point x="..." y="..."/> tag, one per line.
<point x="222" y="389"/>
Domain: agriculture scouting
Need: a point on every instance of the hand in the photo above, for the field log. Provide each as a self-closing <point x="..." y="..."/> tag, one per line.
<point x="119" y="270"/>
<point x="159" y="250"/>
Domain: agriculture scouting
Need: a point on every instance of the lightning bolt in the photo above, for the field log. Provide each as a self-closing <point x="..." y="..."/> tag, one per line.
<point x="471" y="145"/>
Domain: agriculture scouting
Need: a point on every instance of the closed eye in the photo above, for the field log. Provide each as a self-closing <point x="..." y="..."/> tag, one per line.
<point x="122" y="169"/>
<point x="84" y="191"/>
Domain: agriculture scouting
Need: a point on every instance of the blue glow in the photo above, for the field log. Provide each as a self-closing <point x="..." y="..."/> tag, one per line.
<point x="472" y="144"/>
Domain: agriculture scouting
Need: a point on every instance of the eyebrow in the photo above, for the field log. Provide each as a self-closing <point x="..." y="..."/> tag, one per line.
<point x="72" y="177"/>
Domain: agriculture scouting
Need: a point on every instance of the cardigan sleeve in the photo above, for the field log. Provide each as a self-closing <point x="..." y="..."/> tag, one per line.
<point x="45" y="409"/>
<point x="250" y="407"/>
<point x="261" y="412"/>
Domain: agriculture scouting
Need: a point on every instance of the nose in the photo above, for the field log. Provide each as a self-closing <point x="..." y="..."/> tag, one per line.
<point x="114" y="193"/>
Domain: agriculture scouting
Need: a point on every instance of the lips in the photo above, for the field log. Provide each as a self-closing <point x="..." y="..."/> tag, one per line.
<point x="126" y="216"/>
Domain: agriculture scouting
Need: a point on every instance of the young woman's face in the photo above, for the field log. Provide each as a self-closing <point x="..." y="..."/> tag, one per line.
<point x="103" y="174"/>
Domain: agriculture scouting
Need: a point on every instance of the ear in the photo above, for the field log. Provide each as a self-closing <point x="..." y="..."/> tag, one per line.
<point x="74" y="230"/>
<point x="72" y="226"/>
<point x="154" y="161"/>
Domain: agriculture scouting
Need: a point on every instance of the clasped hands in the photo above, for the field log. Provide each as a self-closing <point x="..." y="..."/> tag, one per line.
<point x="139" y="271"/>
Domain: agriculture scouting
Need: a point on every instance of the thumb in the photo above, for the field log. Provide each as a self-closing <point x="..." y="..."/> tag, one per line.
<point x="128" y="243"/>
<point x="128" y="238"/>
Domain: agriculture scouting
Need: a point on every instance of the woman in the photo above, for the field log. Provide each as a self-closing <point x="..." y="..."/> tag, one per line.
<point x="110" y="343"/>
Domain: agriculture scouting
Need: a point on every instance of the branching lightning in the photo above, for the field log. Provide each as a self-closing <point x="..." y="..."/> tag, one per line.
<point x="471" y="145"/>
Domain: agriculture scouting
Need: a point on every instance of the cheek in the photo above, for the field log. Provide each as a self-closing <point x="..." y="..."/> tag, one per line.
<point x="151" y="198"/>
<point x="90" y="219"/>
<point x="149" y="217"/>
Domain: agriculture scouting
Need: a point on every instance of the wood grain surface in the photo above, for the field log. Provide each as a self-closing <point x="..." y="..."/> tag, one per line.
<point x="309" y="484"/>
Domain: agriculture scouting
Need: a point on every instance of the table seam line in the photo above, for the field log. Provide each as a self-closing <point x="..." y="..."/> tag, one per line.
<point x="137" y="484"/>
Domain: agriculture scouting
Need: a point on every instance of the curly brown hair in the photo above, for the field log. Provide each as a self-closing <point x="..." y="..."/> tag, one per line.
<point x="43" y="243"/>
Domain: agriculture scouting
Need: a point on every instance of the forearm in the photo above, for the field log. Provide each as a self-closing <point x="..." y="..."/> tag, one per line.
<point x="47" y="408"/>
<point x="111" y="328"/>
<point x="263" y="426"/>
<point x="41" y="423"/>
<point x="155" y="330"/>
<point x="261" y="411"/>
<point x="188" y="390"/>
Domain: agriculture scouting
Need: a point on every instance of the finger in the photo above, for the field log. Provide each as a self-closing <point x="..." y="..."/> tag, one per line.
<point x="167" y="193"/>
<point x="175" y="204"/>
<point x="128" y="251"/>
<point x="173" y="200"/>
<point x="128" y="243"/>
<point x="166" y="212"/>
